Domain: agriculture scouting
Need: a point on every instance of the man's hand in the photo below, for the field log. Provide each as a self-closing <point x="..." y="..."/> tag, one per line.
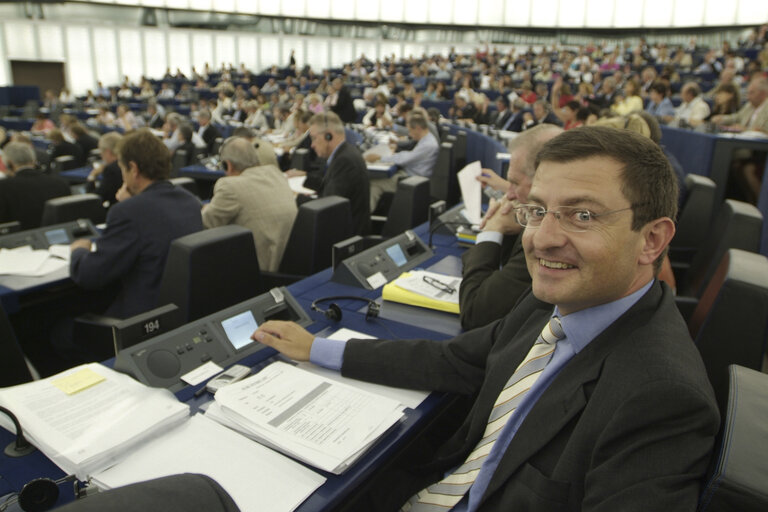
<point x="716" y="119"/>
<point x="287" y="337"/>
<point x="95" y="172"/>
<point x="292" y="173"/>
<point x="372" y="157"/>
<point x="123" y="193"/>
<point x="493" y="180"/>
<point x="501" y="217"/>
<point x="81" y="243"/>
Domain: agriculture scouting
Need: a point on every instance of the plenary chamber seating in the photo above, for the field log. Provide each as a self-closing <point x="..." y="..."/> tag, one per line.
<point x="188" y="184"/>
<point x="409" y="207"/>
<point x="66" y="208"/>
<point x="13" y="366"/>
<point x="739" y="480"/>
<point x="695" y="218"/>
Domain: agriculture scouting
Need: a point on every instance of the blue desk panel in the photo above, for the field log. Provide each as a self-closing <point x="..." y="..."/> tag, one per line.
<point x="694" y="150"/>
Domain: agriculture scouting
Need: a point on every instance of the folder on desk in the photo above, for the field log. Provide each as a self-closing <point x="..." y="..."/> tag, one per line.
<point x="426" y="290"/>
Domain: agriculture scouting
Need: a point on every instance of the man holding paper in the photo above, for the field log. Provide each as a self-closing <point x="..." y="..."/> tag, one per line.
<point x="589" y="394"/>
<point x="489" y="287"/>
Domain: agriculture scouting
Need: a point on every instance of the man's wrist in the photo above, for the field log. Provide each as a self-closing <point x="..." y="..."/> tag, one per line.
<point x="490" y="236"/>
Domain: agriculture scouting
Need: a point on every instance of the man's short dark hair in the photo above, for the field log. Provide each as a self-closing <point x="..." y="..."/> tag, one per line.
<point x="659" y="87"/>
<point x="150" y="155"/>
<point x="648" y="181"/>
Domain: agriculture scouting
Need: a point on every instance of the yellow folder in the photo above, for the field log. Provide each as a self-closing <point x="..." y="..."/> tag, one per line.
<point x="394" y="293"/>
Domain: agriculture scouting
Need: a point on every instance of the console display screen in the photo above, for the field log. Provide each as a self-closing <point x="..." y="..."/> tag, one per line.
<point x="57" y="236"/>
<point x="396" y="253"/>
<point x="239" y="329"/>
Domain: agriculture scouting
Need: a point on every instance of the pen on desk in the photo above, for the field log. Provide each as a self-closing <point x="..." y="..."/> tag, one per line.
<point x="199" y="392"/>
<point x="443" y="287"/>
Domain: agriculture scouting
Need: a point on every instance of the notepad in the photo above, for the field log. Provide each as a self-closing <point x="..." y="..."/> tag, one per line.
<point x="411" y="288"/>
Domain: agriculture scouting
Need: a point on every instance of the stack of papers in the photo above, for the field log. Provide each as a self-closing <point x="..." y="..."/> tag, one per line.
<point x="24" y="261"/>
<point x="88" y="418"/>
<point x="297" y="186"/>
<point x="425" y="289"/>
<point x="471" y="192"/>
<point x="324" y="423"/>
<point x="466" y="236"/>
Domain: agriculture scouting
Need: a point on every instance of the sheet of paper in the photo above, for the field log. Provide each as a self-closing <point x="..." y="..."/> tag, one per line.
<point x="256" y="477"/>
<point x="407" y="397"/>
<point x="471" y="191"/>
<point x="60" y="251"/>
<point x="78" y="381"/>
<point x="381" y="150"/>
<point x="21" y="262"/>
<point x="201" y="373"/>
<point x="376" y="280"/>
<point x="415" y="282"/>
<point x="297" y="185"/>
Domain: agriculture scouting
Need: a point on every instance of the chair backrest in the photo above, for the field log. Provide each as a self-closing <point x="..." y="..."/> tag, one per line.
<point x="739" y="480"/>
<point x="81" y="206"/>
<point x="319" y="224"/>
<point x="13" y="367"/>
<point x="730" y="322"/>
<point x="460" y="150"/>
<point x="762" y="205"/>
<point x="66" y="162"/>
<point x="737" y="226"/>
<point x="210" y="270"/>
<point x="187" y="183"/>
<point x="300" y="159"/>
<point x="443" y="184"/>
<point x="178" y="161"/>
<point x="695" y="216"/>
<point x="410" y="206"/>
<point x="6" y="228"/>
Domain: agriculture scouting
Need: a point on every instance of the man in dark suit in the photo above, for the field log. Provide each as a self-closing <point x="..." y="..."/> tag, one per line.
<point x="62" y="147"/>
<point x="207" y="131"/>
<point x="346" y="174"/>
<point x="24" y="193"/>
<point x="133" y="248"/>
<point x="111" y="175"/>
<point x="341" y="102"/>
<point x="613" y="409"/>
<point x="502" y="112"/>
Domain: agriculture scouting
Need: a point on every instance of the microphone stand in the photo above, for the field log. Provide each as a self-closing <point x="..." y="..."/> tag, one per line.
<point x="20" y="446"/>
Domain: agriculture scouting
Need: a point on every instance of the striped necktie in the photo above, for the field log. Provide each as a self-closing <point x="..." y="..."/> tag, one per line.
<point x="446" y="493"/>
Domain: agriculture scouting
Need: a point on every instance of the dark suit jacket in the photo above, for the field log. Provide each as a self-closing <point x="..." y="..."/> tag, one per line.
<point x="134" y="246"/>
<point x="23" y="196"/>
<point x="68" y="148"/>
<point x="488" y="292"/>
<point x="628" y="424"/>
<point x="87" y="144"/>
<point x="210" y="135"/>
<point x="347" y="176"/>
<point x="111" y="181"/>
<point x="501" y="119"/>
<point x="344" y="107"/>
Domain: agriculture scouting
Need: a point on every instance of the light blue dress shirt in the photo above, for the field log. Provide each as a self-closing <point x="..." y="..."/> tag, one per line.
<point x="420" y="160"/>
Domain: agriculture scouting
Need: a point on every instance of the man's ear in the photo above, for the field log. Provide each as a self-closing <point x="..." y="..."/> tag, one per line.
<point x="133" y="169"/>
<point x="656" y="237"/>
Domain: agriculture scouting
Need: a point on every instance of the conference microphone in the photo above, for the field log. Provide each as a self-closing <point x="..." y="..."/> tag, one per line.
<point x="20" y="446"/>
<point x="439" y="223"/>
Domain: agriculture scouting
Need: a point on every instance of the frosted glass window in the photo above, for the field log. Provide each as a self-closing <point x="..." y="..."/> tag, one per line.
<point x="319" y="8"/>
<point x="413" y="49"/>
<point x="490" y="12"/>
<point x="544" y="12"/>
<point x="105" y="52"/>
<point x="177" y="4"/>
<point x="224" y="5"/>
<point x="628" y="14"/>
<point x="154" y="53"/>
<point x="440" y="11"/>
<point x="225" y="50"/>
<point x="203" y="5"/>
<point x="720" y="13"/>
<point x="368" y="48"/>
<point x="392" y="10"/>
<point x="268" y="7"/>
<point x="153" y="3"/>
<point x="388" y="48"/>
<point x="21" y="40"/>
<point x="131" y="54"/>
<point x="178" y="52"/>
<point x="684" y="16"/>
<point x="752" y="12"/>
<point x="247" y="52"/>
<point x="297" y="45"/>
<point x="246" y="6"/>
<point x="658" y="13"/>
<point x="600" y="13"/>
<point x="269" y="52"/>
<point x="202" y="51"/>
<point x="80" y="61"/>
<point x="4" y="79"/>
<point x="439" y="49"/>
<point x="517" y="13"/>
<point x="317" y="54"/>
<point x="571" y="13"/>
<point x="341" y="52"/>
<point x="343" y="9"/>
<point x="295" y="8"/>
<point x="50" y="42"/>
<point x="415" y="12"/>
<point x="465" y="12"/>
<point x="368" y="9"/>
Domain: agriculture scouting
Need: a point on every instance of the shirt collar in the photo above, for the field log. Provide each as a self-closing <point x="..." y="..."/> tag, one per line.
<point x="583" y="326"/>
<point x="333" y="153"/>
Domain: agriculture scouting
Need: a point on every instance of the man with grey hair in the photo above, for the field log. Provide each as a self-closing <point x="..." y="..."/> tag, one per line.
<point x="207" y="131"/>
<point x="254" y="196"/>
<point x="172" y="136"/>
<point x="754" y="114"/>
<point x="693" y="110"/>
<point x="488" y="289"/>
<point x="24" y="193"/>
<point x="346" y="174"/>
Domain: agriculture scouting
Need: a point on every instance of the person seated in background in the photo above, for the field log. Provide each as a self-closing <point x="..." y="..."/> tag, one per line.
<point x="419" y="161"/>
<point x="108" y="169"/>
<point x="42" y="124"/>
<point x="172" y="135"/>
<point x="300" y="136"/>
<point x="378" y="116"/>
<point x="126" y="119"/>
<point x="84" y="139"/>
<point x="346" y="174"/>
<point x="693" y="110"/>
<point x="659" y="105"/>
<point x="630" y="101"/>
<point x="541" y="115"/>
<point x="26" y="189"/>
<point x="207" y="131"/>
<point x="753" y="115"/>
<point x="254" y="196"/>
<point x="264" y="148"/>
<point x="589" y="393"/>
<point x="494" y="270"/>
<point x="726" y="99"/>
<point x="62" y="147"/>
<point x="132" y="249"/>
<point x="187" y="146"/>
<point x="463" y="109"/>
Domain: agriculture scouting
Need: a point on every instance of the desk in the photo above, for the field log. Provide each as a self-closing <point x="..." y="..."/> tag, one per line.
<point x="338" y="489"/>
<point x="79" y="175"/>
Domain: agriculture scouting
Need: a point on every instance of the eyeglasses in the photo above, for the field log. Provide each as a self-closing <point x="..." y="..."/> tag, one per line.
<point x="571" y="218"/>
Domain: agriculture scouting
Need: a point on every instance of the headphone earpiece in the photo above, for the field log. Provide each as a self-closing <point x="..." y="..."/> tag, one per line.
<point x="328" y="136"/>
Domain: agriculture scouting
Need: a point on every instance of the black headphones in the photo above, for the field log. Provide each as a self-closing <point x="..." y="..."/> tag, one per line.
<point x="328" y="135"/>
<point x="334" y="311"/>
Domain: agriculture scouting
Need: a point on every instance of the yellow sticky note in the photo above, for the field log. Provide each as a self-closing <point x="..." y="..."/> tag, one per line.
<point x="78" y="381"/>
